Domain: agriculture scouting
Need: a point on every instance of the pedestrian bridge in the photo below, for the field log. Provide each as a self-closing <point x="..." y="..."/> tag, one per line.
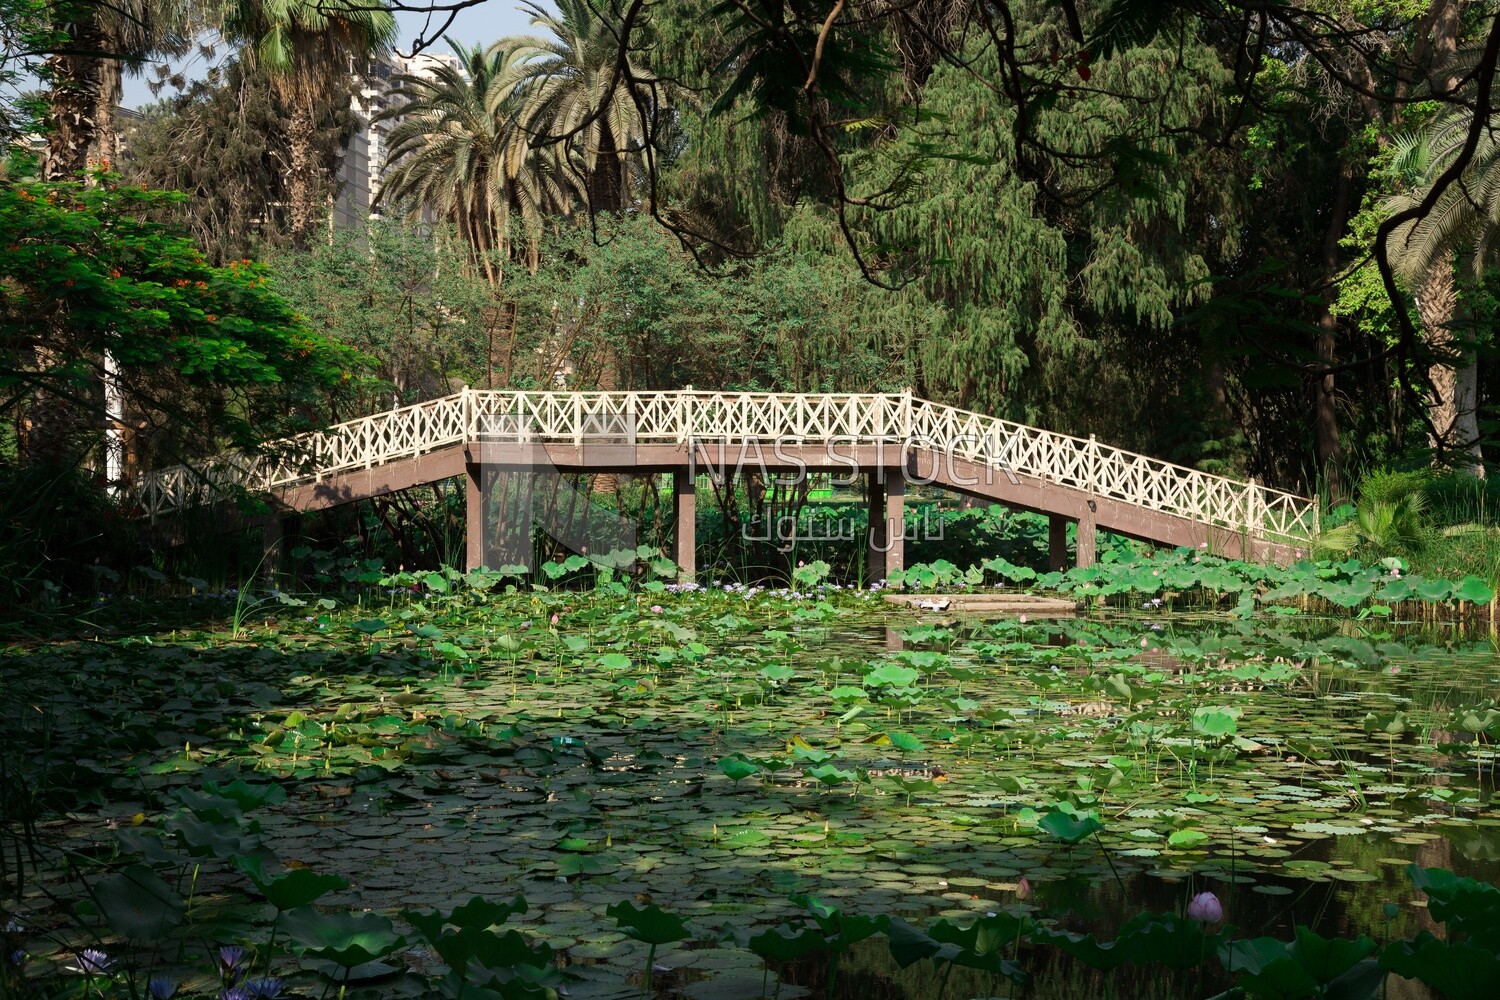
<point x="892" y="439"/>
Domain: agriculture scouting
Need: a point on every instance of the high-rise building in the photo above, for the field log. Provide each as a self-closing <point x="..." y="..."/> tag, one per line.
<point x="363" y="165"/>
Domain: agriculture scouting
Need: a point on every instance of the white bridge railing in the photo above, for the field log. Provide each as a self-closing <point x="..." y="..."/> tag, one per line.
<point x="687" y="417"/>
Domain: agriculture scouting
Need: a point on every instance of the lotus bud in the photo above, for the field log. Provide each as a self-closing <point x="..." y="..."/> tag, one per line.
<point x="1023" y="889"/>
<point x="1205" y="909"/>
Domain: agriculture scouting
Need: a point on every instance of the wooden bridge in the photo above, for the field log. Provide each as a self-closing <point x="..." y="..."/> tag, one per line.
<point x="891" y="439"/>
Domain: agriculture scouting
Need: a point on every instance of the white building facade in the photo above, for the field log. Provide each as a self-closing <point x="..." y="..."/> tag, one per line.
<point x="362" y="168"/>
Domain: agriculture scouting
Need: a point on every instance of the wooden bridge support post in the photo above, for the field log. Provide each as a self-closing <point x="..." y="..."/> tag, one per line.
<point x="1084" y="541"/>
<point x="895" y="520"/>
<point x="685" y="531"/>
<point x="474" y="520"/>
<point x="1057" y="543"/>
<point x="273" y="544"/>
<point x="271" y="536"/>
<point x="887" y="534"/>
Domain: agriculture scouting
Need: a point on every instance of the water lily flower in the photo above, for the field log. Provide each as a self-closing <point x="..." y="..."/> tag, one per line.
<point x="161" y="987"/>
<point x="229" y="960"/>
<point x="656" y="609"/>
<point x="265" y="988"/>
<point x="93" y="962"/>
<point x="1205" y="909"/>
<point x="1023" y="889"/>
<point x="18" y="957"/>
<point x="236" y="993"/>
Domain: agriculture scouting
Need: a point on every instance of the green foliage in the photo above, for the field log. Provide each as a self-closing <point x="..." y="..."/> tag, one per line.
<point x="222" y="141"/>
<point x="27" y="32"/>
<point x="86" y="273"/>
<point x="460" y="146"/>
<point x="1192" y="577"/>
<point x="67" y="534"/>
<point x="138" y="905"/>
<point x="398" y="293"/>
<point x="628" y="307"/>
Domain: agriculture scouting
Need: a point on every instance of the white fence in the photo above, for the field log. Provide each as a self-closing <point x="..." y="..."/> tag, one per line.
<point x="687" y="417"/>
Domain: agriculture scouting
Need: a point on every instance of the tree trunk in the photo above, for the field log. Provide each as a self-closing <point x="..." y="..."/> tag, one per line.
<point x="606" y="179"/>
<point x="1325" y="408"/>
<point x="72" y="103"/>
<point x="73" y="99"/>
<point x="105" y="150"/>
<point x="1454" y="406"/>
<point x="302" y="178"/>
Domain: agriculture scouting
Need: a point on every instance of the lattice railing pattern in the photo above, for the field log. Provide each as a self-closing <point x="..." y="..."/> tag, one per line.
<point x="687" y="417"/>
<point x="355" y="444"/>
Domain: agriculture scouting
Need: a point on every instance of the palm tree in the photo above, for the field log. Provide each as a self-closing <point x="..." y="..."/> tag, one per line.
<point x="99" y="42"/>
<point x="457" y="149"/>
<point x="572" y="97"/>
<point x="310" y="48"/>
<point x="1460" y="231"/>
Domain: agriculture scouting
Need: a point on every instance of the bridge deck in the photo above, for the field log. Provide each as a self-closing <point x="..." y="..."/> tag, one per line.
<point x="894" y="439"/>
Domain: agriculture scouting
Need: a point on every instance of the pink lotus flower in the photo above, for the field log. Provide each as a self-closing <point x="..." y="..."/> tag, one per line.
<point x="1205" y="909"/>
<point x="554" y="619"/>
<point x="1023" y="889"/>
<point x="656" y="609"/>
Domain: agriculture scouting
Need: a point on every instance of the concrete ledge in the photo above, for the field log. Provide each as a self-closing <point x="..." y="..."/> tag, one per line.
<point x="994" y="605"/>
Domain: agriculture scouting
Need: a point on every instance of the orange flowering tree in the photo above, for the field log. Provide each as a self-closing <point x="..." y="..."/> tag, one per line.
<point x="206" y="356"/>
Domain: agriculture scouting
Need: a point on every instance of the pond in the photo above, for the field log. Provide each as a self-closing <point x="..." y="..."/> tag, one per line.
<point x="718" y="753"/>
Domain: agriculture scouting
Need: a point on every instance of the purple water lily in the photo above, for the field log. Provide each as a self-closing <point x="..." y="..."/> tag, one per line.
<point x="93" y="962"/>
<point x="265" y="988"/>
<point x="161" y="987"/>
<point x="229" y="961"/>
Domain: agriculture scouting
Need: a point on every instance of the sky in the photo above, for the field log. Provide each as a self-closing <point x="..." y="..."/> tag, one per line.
<point x="484" y="23"/>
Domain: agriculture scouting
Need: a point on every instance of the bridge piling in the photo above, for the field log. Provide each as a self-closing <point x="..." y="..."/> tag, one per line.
<point x="1057" y="543"/>
<point x="1084" y="542"/>
<point x="685" y="531"/>
<point x="473" y="516"/>
<point x="887" y="531"/>
<point x="273" y="544"/>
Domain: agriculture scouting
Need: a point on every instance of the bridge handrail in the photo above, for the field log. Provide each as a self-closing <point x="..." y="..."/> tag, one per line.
<point x="685" y="416"/>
